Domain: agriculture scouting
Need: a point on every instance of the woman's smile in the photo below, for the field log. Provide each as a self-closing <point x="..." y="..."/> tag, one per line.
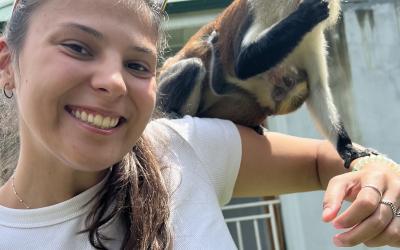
<point x="98" y="120"/>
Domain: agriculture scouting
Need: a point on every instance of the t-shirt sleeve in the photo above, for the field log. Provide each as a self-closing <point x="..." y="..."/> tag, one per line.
<point x="218" y="145"/>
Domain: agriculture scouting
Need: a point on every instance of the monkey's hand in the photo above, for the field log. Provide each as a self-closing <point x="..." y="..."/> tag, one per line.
<point x="314" y="11"/>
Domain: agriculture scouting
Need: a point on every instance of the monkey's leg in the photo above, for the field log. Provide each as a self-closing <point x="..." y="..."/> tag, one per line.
<point x="275" y="43"/>
<point x="321" y="106"/>
<point x="179" y="88"/>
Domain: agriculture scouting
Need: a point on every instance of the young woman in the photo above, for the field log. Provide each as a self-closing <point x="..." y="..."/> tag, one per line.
<point x="94" y="172"/>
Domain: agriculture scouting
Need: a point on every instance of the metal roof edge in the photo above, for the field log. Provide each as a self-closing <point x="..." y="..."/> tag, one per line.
<point x="195" y="5"/>
<point x="173" y="7"/>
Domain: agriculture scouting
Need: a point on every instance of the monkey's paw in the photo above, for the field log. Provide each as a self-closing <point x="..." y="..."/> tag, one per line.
<point x="314" y="11"/>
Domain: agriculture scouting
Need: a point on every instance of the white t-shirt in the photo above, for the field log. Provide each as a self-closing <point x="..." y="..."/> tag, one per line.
<point x="203" y="158"/>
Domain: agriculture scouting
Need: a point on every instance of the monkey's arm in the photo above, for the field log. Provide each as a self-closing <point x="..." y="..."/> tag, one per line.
<point x="179" y="88"/>
<point x="274" y="44"/>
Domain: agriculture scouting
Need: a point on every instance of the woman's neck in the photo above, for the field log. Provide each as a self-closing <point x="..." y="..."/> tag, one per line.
<point x="43" y="184"/>
<point x="43" y="178"/>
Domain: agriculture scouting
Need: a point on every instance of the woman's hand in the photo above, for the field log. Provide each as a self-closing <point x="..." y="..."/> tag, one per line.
<point x="368" y="220"/>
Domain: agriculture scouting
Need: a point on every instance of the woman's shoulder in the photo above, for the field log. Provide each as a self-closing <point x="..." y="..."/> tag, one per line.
<point x="189" y="126"/>
<point x="215" y="144"/>
<point x="202" y="134"/>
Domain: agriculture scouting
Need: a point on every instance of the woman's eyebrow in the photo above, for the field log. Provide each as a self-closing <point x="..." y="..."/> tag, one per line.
<point x="144" y="50"/>
<point x="99" y="35"/>
<point x="85" y="29"/>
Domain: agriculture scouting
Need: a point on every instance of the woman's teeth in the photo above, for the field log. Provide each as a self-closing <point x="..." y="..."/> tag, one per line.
<point x="96" y="120"/>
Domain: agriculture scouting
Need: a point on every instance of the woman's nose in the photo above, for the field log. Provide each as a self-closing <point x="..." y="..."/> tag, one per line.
<point x="109" y="80"/>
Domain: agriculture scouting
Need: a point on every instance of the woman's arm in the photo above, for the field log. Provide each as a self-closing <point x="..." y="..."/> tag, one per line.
<point x="275" y="164"/>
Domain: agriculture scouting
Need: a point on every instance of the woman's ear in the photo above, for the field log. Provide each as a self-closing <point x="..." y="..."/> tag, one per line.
<point x="6" y="68"/>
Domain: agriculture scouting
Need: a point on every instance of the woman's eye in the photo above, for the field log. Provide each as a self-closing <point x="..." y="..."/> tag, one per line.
<point x="139" y="69"/>
<point x="77" y="49"/>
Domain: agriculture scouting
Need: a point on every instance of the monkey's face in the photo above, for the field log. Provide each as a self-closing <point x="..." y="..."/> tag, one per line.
<point x="289" y="89"/>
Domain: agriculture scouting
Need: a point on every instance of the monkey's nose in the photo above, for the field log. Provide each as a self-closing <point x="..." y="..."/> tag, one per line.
<point x="278" y="94"/>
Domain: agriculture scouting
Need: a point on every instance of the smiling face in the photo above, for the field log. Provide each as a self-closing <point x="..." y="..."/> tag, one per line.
<point x="85" y="83"/>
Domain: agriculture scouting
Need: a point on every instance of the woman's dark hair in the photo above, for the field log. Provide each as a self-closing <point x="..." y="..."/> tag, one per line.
<point x="134" y="193"/>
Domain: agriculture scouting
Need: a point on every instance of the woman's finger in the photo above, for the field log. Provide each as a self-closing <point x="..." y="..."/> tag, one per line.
<point x="372" y="227"/>
<point x="391" y="234"/>
<point x="335" y="193"/>
<point x="370" y="190"/>
<point x="395" y="244"/>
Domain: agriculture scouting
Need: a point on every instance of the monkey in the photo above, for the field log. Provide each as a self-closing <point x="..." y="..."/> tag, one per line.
<point x="256" y="59"/>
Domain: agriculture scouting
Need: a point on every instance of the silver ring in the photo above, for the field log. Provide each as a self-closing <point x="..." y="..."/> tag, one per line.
<point x="374" y="188"/>
<point x="393" y="207"/>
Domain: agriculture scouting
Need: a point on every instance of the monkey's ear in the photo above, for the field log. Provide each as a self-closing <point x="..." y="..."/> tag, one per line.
<point x="6" y="67"/>
<point x="179" y="88"/>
